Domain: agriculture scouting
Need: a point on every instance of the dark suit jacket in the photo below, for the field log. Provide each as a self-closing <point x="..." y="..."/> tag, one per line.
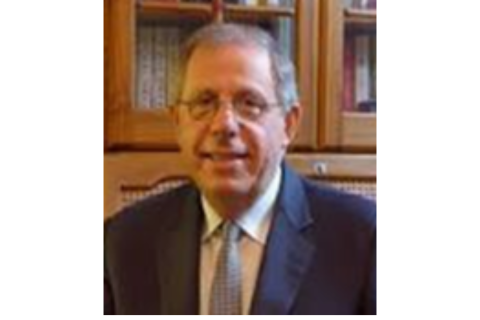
<point x="320" y="256"/>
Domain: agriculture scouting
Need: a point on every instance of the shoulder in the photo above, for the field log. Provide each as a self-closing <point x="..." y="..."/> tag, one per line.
<point x="150" y="214"/>
<point x="325" y="205"/>
<point x="335" y="206"/>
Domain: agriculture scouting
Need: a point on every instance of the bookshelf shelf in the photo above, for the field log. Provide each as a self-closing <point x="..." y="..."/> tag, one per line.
<point x="260" y="12"/>
<point x="156" y="8"/>
<point x="359" y="18"/>
<point x="148" y="8"/>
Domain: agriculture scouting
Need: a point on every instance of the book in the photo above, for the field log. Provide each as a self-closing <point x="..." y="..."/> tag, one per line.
<point x="144" y="67"/>
<point x="359" y="73"/>
<point x="348" y="96"/>
<point x="368" y="106"/>
<point x="348" y="3"/>
<point x="250" y="2"/>
<point x="362" y="73"/>
<point x="373" y="67"/>
<point x="173" y="63"/>
<point x="359" y="4"/>
<point x="159" y="79"/>
<point x="270" y="2"/>
<point x="371" y="4"/>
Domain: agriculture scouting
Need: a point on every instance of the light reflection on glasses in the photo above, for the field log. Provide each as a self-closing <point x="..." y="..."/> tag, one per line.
<point x="205" y="107"/>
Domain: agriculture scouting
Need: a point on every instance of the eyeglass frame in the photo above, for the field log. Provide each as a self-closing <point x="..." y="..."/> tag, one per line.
<point x="211" y="107"/>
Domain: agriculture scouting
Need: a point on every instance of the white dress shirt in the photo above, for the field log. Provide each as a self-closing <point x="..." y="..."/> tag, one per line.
<point x="255" y="225"/>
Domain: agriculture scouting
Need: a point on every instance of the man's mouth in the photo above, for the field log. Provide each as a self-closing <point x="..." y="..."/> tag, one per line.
<point x="224" y="156"/>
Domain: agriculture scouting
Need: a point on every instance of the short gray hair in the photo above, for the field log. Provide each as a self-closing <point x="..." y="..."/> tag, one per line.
<point x="218" y="34"/>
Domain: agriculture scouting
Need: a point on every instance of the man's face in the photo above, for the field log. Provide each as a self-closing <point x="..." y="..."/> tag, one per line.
<point x="232" y="157"/>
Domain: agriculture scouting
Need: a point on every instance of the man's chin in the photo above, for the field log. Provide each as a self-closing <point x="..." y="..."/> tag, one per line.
<point x="226" y="190"/>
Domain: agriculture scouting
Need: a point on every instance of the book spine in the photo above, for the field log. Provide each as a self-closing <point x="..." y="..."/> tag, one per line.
<point x="159" y="83"/>
<point x="250" y="2"/>
<point x="373" y="67"/>
<point x="359" y="4"/>
<point x="173" y="51"/>
<point x="362" y="77"/>
<point x="273" y="2"/>
<point x="144" y="67"/>
<point x="286" y="3"/>
<point x="348" y="3"/>
<point x="349" y="75"/>
<point x="285" y="36"/>
<point x="372" y="4"/>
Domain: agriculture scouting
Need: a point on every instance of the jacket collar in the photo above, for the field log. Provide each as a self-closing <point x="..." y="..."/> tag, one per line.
<point x="288" y="252"/>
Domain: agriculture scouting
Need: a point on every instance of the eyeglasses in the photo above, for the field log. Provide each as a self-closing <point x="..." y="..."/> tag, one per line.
<point x="250" y="108"/>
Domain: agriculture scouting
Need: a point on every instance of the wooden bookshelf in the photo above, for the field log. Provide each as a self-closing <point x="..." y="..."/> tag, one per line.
<point x="344" y="128"/>
<point x="319" y="28"/>
<point x="131" y="127"/>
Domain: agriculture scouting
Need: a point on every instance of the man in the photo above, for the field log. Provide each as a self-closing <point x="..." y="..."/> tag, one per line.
<point x="249" y="236"/>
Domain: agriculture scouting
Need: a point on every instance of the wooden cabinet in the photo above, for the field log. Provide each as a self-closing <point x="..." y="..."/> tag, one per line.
<point x="346" y="83"/>
<point x="328" y="124"/>
<point x="129" y="126"/>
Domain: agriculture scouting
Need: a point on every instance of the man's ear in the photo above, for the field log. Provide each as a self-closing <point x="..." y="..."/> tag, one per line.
<point x="292" y="124"/>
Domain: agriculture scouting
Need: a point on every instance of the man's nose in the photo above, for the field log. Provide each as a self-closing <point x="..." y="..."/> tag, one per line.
<point x="225" y="120"/>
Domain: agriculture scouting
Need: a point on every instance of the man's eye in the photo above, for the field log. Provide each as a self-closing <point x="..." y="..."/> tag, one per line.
<point x="204" y="101"/>
<point x="252" y="104"/>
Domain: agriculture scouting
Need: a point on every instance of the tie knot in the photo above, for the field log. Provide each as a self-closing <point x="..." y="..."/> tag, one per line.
<point x="231" y="232"/>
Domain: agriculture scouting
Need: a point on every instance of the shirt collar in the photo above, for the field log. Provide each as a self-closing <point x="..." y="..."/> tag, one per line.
<point x="255" y="221"/>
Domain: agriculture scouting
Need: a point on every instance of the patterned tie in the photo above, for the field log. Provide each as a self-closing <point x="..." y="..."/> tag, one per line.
<point x="226" y="294"/>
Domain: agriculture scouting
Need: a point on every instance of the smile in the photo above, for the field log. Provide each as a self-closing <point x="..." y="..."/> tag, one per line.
<point x="223" y="156"/>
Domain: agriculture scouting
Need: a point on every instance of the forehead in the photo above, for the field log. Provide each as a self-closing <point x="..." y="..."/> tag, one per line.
<point x="228" y="64"/>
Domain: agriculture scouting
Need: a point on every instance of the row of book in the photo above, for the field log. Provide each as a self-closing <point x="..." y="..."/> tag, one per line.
<point x="360" y="73"/>
<point x="157" y="60"/>
<point x="360" y="4"/>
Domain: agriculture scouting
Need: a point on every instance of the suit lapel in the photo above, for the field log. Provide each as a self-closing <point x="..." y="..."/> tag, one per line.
<point x="179" y="262"/>
<point x="288" y="251"/>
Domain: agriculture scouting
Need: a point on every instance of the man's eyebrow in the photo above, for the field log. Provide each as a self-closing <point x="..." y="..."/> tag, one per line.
<point x="251" y="93"/>
<point x="202" y="92"/>
<point x="242" y="92"/>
